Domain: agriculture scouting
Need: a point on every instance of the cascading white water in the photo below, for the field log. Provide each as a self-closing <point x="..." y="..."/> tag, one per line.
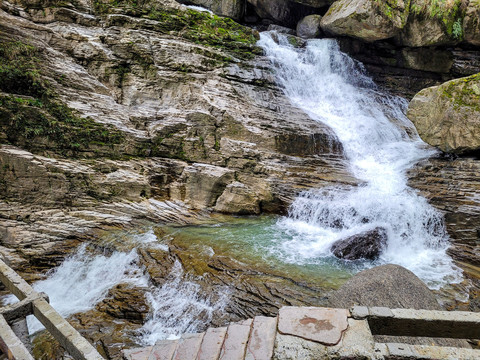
<point x="178" y="307"/>
<point x="83" y="280"/>
<point x="378" y="142"/>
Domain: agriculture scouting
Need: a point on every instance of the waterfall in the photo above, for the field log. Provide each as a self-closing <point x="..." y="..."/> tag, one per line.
<point x="380" y="145"/>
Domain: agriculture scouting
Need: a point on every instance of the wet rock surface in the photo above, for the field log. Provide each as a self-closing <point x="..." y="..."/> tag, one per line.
<point x="452" y="186"/>
<point x="190" y="116"/>
<point x="366" y="245"/>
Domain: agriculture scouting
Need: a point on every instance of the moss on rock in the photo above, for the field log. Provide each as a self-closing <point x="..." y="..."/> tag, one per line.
<point x="200" y="27"/>
<point x="31" y="114"/>
<point x="448" y="116"/>
<point x="450" y="13"/>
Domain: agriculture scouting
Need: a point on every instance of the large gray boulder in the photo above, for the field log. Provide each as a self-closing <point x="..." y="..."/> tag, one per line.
<point x="448" y="116"/>
<point x="369" y="20"/>
<point x="309" y="27"/>
<point x="434" y="23"/>
<point x="422" y="30"/>
<point x="390" y="286"/>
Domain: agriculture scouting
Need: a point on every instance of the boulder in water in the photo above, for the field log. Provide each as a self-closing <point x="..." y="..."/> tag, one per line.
<point x="366" y="245"/>
<point x="309" y="27"/>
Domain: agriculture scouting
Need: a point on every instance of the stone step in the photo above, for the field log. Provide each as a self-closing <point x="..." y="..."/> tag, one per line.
<point x="311" y="333"/>
<point x="236" y="339"/>
<point x="262" y="338"/>
<point x="212" y="344"/>
<point x="188" y="346"/>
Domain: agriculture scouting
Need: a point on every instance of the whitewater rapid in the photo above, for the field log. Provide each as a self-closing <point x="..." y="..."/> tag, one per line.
<point x="84" y="279"/>
<point x="380" y="145"/>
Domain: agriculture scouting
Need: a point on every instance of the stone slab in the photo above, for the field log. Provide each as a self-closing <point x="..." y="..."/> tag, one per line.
<point x="426" y="323"/>
<point x="400" y="350"/>
<point x="163" y="350"/>
<point x="188" y="346"/>
<point x="236" y="340"/>
<point x="359" y="312"/>
<point x="262" y="338"/>
<point x="357" y="342"/>
<point x="323" y="325"/>
<point x="288" y="347"/>
<point x="138" y="353"/>
<point x="443" y="352"/>
<point x="212" y="344"/>
<point x="380" y="311"/>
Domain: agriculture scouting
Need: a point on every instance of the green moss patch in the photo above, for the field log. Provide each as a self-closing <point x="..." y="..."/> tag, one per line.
<point x="200" y="27"/>
<point x="464" y="92"/>
<point x="449" y="12"/>
<point x="33" y="117"/>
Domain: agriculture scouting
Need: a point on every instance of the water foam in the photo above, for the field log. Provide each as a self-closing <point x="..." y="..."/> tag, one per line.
<point x="83" y="280"/>
<point x="179" y="307"/>
<point x="380" y="143"/>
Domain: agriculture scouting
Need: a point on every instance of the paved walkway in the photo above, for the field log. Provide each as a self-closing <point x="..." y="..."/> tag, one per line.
<point x="321" y="333"/>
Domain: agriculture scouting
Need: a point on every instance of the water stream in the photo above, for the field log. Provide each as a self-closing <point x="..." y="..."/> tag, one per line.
<point x="380" y="144"/>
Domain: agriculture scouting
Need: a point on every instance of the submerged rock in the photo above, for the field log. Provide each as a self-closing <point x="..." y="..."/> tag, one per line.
<point x="448" y="116"/>
<point x="366" y="245"/>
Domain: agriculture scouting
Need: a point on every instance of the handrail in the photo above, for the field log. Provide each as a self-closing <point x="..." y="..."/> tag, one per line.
<point x="420" y="323"/>
<point x="34" y="303"/>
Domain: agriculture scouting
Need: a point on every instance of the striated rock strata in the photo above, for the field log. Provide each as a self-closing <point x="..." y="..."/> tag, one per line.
<point x="194" y="122"/>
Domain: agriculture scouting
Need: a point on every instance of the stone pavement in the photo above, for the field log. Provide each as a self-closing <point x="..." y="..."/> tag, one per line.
<point x="299" y="333"/>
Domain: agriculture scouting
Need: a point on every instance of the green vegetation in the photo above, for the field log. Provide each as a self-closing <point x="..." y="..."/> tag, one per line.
<point x="199" y="27"/>
<point x="395" y="11"/>
<point x="33" y="117"/>
<point x="464" y="92"/>
<point x="449" y="12"/>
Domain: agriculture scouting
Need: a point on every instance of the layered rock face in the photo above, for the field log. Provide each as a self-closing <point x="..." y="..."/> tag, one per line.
<point x="177" y="113"/>
<point x="118" y="116"/>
